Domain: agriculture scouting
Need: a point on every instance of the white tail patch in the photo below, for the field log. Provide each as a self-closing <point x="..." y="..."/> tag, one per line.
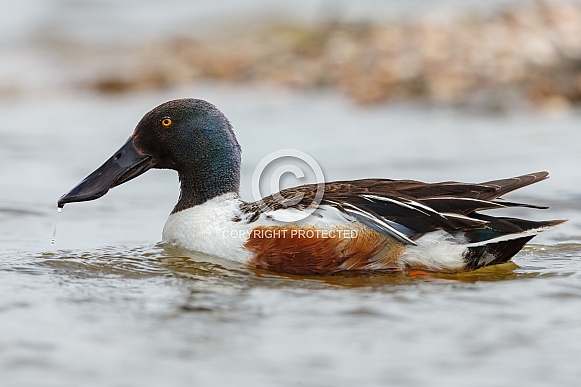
<point x="440" y="251"/>
<point x="436" y="251"/>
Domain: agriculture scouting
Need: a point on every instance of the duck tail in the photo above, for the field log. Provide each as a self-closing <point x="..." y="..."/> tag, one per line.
<point x="501" y="240"/>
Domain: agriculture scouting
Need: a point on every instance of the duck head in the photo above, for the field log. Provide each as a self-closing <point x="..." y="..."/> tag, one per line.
<point x="190" y="136"/>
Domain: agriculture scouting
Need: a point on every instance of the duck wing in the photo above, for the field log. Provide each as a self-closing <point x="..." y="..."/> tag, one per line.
<point x="408" y="209"/>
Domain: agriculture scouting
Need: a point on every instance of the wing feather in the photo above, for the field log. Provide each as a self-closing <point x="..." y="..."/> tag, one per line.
<point x="419" y="207"/>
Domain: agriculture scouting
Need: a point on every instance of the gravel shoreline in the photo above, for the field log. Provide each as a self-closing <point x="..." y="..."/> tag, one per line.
<point x="529" y="55"/>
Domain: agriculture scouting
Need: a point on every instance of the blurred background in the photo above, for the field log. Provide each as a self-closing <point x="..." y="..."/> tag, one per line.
<point x="432" y="90"/>
<point x="500" y="55"/>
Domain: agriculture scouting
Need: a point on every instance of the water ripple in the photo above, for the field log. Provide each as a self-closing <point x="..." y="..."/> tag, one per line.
<point x="210" y="272"/>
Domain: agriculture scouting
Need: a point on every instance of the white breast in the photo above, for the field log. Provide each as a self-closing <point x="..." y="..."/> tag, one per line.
<point x="209" y="228"/>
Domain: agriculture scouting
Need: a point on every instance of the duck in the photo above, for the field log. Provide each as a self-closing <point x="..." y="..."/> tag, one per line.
<point x="371" y="225"/>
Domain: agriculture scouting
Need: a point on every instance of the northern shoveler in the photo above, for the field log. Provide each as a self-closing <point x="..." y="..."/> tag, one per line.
<point x="369" y="225"/>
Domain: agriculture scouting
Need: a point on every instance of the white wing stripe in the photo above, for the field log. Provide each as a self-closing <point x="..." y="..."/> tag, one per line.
<point x="458" y="216"/>
<point x="508" y="237"/>
<point x="401" y="204"/>
<point x="420" y="205"/>
<point x="485" y="202"/>
<point x="379" y="222"/>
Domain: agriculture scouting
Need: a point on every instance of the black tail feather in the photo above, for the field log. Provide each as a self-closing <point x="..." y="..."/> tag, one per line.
<point x="502" y="251"/>
<point x="494" y="253"/>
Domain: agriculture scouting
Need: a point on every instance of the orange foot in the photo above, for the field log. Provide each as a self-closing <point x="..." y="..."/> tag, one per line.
<point x="413" y="273"/>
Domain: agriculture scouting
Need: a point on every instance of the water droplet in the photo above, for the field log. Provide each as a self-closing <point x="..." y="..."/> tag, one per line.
<point x="55" y="224"/>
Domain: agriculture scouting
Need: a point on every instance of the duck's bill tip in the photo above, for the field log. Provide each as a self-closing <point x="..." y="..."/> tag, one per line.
<point x="82" y="193"/>
<point x="126" y="164"/>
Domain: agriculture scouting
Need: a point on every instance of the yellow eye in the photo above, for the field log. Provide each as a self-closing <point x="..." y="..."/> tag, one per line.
<point x="166" y="122"/>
